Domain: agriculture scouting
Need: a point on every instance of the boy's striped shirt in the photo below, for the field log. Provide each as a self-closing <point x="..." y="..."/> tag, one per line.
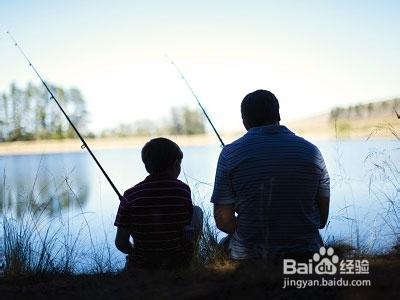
<point x="156" y="212"/>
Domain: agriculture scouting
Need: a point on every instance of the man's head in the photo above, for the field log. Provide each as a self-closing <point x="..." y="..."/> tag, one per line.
<point x="260" y="108"/>
<point x="162" y="156"/>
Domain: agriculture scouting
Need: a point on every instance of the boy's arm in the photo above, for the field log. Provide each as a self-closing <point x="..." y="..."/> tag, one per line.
<point x="122" y="241"/>
<point x="122" y="237"/>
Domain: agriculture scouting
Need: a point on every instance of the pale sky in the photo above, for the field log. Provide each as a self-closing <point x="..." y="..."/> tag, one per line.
<point x="312" y="54"/>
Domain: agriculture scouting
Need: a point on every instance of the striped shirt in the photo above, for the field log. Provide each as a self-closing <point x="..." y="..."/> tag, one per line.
<point x="156" y="212"/>
<point x="273" y="178"/>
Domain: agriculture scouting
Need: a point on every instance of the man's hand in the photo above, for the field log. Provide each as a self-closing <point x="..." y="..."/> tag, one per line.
<point x="323" y="204"/>
<point x="224" y="216"/>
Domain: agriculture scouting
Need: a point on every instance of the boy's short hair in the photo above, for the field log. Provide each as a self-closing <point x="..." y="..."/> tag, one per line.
<point x="159" y="154"/>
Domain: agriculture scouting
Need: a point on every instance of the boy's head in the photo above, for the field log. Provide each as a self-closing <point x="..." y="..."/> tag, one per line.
<point x="161" y="155"/>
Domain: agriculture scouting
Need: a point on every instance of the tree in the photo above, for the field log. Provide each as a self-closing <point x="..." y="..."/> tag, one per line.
<point x="3" y="117"/>
<point x="29" y="114"/>
<point x="370" y="109"/>
<point x="177" y="125"/>
<point x="182" y="120"/>
<point x="193" y="121"/>
<point x="185" y="120"/>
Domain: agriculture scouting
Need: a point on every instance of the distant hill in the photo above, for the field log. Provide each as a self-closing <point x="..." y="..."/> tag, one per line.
<point x="361" y="120"/>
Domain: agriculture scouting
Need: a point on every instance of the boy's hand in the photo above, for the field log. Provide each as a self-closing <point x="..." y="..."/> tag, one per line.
<point x="122" y="241"/>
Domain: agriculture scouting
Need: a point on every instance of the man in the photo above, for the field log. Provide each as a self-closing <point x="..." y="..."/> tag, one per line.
<point x="276" y="183"/>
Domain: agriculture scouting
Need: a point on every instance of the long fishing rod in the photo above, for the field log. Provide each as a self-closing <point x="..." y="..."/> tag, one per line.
<point x="197" y="99"/>
<point x="84" y="144"/>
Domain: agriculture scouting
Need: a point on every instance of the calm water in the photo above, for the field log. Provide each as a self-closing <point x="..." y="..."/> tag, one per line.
<point x="72" y="193"/>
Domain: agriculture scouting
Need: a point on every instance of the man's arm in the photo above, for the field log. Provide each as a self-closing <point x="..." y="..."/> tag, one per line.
<point x="323" y="204"/>
<point x="224" y="215"/>
<point x="122" y="241"/>
<point x="324" y="190"/>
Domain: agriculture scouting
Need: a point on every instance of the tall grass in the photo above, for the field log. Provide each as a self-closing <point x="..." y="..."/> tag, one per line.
<point x="208" y="250"/>
<point x="38" y="244"/>
<point x="382" y="225"/>
<point x="383" y="171"/>
<point x="27" y="252"/>
<point x="50" y="248"/>
<point x="348" y="213"/>
<point x="384" y="183"/>
<point x="35" y="243"/>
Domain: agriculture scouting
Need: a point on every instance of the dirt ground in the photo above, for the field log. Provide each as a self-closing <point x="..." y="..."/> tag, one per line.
<point x="227" y="281"/>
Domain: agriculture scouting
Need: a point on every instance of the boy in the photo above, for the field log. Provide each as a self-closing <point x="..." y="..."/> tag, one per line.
<point x="158" y="212"/>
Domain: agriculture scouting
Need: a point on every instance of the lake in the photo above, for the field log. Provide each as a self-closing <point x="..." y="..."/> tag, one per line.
<point x="69" y="193"/>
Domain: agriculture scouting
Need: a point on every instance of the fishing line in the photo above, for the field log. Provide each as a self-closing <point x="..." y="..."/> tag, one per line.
<point x="52" y="97"/>
<point x="197" y="99"/>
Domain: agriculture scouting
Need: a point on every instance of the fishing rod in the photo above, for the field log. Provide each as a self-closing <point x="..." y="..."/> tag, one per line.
<point x="52" y="97"/>
<point x="197" y="99"/>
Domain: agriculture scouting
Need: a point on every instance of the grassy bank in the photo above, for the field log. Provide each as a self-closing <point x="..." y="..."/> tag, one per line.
<point x="43" y="262"/>
<point x="218" y="280"/>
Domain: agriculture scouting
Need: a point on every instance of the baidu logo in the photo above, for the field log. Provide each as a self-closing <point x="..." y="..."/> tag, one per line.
<point x="323" y="262"/>
<point x="326" y="261"/>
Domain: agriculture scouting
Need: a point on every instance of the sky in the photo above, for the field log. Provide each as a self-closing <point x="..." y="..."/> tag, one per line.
<point x="313" y="55"/>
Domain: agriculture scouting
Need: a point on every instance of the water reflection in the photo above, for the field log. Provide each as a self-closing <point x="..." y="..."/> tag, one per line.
<point x="45" y="185"/>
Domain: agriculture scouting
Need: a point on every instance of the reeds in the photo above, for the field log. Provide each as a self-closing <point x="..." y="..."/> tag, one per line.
<point x="36" y="244"/>
<point x="384" y="184"/>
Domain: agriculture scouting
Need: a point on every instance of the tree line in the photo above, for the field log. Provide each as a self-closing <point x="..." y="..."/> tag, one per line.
<point x="182" y="120"/>
<point x="29" y="114"/>
<point x="368" y="110"/>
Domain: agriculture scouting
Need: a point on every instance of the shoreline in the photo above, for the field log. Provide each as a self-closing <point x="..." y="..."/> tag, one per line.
<point x="74" y="145"/>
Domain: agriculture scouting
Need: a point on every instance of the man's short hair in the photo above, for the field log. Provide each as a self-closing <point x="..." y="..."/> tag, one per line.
<point x="259" y="108"/>
<point x="159" y="154"/>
